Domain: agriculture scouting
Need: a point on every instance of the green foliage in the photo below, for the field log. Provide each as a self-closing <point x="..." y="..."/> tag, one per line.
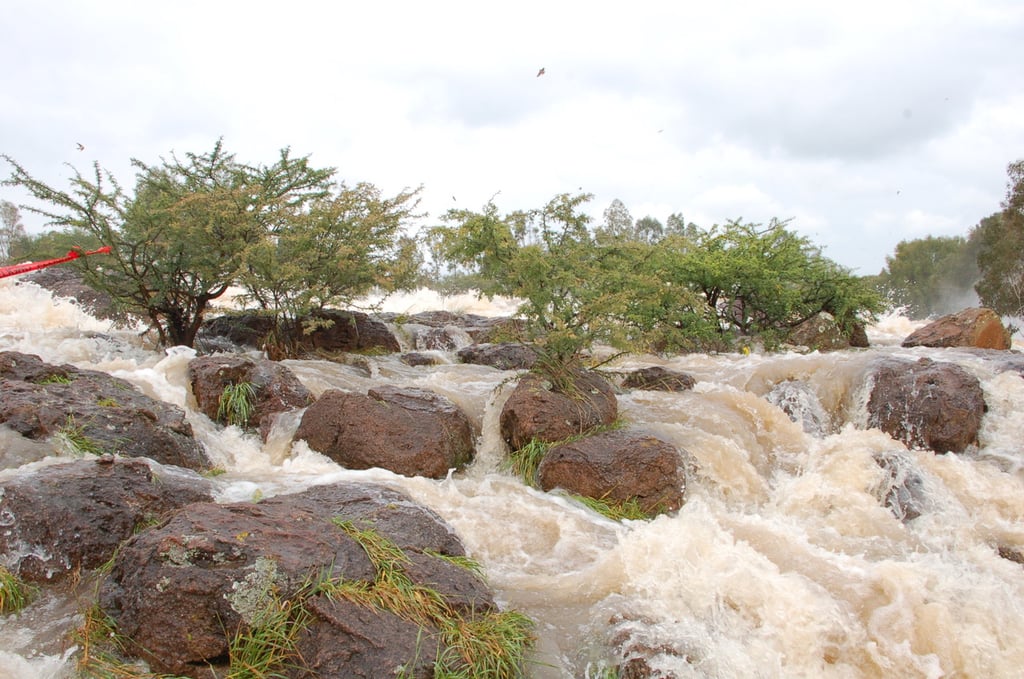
<point x="525" y="461"/>
<point x="930" y="276"/>
<point x="341" y="246"/>
<point x="1000" y="242"/>
<point x="625" y="287"/>
<point x="14" y="593"/>
<point x="617" y="511"/>
<point x="756" y="279"/>
<point x="265" y="646"/>
<point x="236" y="403"/>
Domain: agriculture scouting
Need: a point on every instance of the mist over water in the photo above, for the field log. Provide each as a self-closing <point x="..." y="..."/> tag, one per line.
<point x="783" y="562"/>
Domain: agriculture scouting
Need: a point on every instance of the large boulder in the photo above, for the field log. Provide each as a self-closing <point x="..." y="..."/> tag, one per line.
<point x="39" y="400"/>
<point x="276" y="388"/>
<point x="503" y="356"/>
<point x="926" y="404"/>
<point x="617" y="467"/>
<point x="180" y="591"/>
<point x="323" y="332"/>
<point x="63" y="518"/>
<point x="975" y="327"/>
<point x="543" y="409"/>
<point x="413" y="432"/>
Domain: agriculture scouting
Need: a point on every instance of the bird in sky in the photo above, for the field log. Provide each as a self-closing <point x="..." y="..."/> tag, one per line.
<point x="540" y="72"/>
<point x="80" y="147"/>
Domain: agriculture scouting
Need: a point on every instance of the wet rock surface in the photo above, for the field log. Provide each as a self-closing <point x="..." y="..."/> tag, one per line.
<point x="617" y="467"/>
<point x="181" y="590"/>
<point x="410" y="431"/>
<point x="503" y="356"/>
<point x="276" y="388"/>
<point x="325" y="332"/>
<point x="63" y="518"/>
<point x="91" y="408"/>
<point x="541" y="409"/>
<point x="926" y="404"/>
<point x="657" y="378"/>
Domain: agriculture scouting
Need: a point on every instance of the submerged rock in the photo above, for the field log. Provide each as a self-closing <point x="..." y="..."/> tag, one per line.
<point x="413" y="432"/>
<point x="799" y="401"/>
<point x="540" y="409"/>
<point x="63" y="518"/>
<point x="902" y="488"/>
<point x="657" y="378"/>
<point x="503" y="356"/>
<point x="926" y="404"/>
<point x="93" y="412"/>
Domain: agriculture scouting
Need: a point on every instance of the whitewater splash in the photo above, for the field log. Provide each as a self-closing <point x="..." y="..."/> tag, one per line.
<point x="784" y="561"/>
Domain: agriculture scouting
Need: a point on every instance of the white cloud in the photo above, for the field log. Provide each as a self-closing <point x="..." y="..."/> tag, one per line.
<point x="866" y="123"/>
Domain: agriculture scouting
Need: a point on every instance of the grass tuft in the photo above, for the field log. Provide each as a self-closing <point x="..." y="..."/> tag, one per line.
<point x="74" y="440"/>
<point x="15" y="594"/>
<point x="237" y="403"/>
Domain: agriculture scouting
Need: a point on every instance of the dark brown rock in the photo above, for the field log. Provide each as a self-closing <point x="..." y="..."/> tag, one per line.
<point x="617" y="466"/>
<point x="975" y="327"/>
<point x="930" y="405"/>
<point x="541" y="409"/>
<point x="277" y="389"/>
<point x="503" y="356"/>
<point x="62" y="518"/>
<point x="39" y="400"/>
<point x="657" y="378"/>
<point x="819" y="333"/>
<point x="181" y="590"/>
<point x="325" y="332"/>
<point x="413" y="432"/>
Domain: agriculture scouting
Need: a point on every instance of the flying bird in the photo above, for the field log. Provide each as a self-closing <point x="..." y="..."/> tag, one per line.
<point x="80" y="147"/>
<point x="540" y="72"/>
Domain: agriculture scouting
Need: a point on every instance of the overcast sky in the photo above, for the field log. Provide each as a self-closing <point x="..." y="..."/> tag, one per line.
<point x="866" y="123"/>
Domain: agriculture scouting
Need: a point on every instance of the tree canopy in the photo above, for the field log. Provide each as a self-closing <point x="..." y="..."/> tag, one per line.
<point x="195" y="226"/>
<point x="930" y="276"/>
<point x="1000" y="242"/>
<point x="687" y="289"/>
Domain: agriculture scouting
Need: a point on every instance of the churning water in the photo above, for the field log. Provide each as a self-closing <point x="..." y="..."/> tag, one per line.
<point x="784" y="561"/>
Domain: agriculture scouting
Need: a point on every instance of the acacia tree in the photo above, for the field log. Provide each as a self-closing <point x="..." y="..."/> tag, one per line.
<point x="756" y="279"/>
<point x="574" y="291"/>
<point x="335" y="250"/>
<point x="1000" y="240"/>
<point x="178" y="241"/>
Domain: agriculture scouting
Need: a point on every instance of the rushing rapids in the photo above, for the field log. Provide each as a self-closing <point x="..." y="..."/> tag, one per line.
<point x="783" y="562"/>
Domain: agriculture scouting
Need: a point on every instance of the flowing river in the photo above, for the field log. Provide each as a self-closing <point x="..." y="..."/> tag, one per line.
<point x="783" y="562"/>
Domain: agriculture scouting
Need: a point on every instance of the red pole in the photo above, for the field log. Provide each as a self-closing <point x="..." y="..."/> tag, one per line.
<point x="16" y="269"/>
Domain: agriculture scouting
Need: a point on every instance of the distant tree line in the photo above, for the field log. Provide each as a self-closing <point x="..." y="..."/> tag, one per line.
<point x="938" y="275"/>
